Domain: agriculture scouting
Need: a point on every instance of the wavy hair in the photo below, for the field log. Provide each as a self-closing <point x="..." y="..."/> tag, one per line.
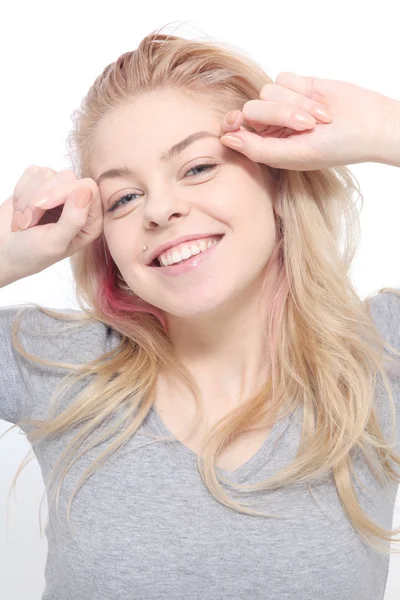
<point x="324" y="350"/>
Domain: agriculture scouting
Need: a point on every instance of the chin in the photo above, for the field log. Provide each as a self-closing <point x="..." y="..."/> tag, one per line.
<point x="198" y="307"/>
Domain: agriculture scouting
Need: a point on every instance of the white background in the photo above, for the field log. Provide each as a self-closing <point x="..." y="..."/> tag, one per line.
<point x="51" y="53"/>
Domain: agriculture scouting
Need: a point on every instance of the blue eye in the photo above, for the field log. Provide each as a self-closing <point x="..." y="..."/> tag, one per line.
<point x="206" y="167"/>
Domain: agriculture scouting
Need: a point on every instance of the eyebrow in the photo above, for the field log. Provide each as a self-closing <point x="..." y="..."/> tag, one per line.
<point x="174" y="151"/>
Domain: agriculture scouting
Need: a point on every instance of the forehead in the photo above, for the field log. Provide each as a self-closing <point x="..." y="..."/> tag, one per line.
<point x="159" y="112"/>
<point x="151" y="123"/>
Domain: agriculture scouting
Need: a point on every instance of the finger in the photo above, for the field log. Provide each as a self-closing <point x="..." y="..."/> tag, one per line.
<point x="26" y="176"/>
<point x="278" y="93"/>
<point x="60" y="195"/>
<point x="53" y="189"/>
<point x="271" y="151"/>
<point x="312" y="87"/>
<point x="239" y="125"/>
<point x="34" y="185"/>
<point x="72" y="221"/>
<point x="277" y="113"/>
<point x="232" y="120"/>
<point x="95" y="213"/>
<point x="53" y="193"/>
<point x="32" y="179"/>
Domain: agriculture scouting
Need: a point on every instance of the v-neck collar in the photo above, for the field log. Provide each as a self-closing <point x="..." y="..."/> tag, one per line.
<point x="247" y="469"/>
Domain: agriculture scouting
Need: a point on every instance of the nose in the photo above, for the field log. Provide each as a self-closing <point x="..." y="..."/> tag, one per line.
<point x="161" y="211"/>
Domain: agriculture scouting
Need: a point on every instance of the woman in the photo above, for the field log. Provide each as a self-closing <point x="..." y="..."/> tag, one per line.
<point x="248" y="353"/>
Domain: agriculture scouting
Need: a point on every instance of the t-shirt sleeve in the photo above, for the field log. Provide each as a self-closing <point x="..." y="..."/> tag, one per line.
<point x="26" y="385"/>
<point x="385" y="311"/>
<point x="13" y="388"/>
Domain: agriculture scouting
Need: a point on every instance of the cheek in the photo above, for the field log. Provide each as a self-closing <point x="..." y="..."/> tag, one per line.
<point x="123" y="244"/>
<point x="258" y="229"/>
<point x="251" y="207"/>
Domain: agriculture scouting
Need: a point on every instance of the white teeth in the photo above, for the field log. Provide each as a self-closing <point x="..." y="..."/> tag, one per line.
<point x="187" y="250"/>
<point x="185" y="253"/>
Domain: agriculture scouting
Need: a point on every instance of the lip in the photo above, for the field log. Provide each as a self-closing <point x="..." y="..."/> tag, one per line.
<point x="189" y="264"/>
<point x="185" y="238"/>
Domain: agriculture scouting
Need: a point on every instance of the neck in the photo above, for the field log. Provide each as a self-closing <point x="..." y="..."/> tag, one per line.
<point x="225" y="351"/>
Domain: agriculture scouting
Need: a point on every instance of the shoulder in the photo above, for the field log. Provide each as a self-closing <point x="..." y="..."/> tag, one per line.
<point x="54" y="336"/>
<point x="384" y="307"/>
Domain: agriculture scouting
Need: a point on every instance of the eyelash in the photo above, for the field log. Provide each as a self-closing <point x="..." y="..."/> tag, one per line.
<point x="114" y="206"/>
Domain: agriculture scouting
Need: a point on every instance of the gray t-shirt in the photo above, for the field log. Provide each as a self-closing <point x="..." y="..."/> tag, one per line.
<point x="145" y="526"/>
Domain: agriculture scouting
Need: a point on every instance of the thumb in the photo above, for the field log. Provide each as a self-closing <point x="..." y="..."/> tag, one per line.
<point x="72" y="222"/>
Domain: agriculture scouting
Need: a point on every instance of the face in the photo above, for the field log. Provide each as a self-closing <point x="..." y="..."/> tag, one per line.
<point x="167" y="199"/>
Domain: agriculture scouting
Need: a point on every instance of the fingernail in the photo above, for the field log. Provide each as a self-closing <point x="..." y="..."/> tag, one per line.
<point x="321" y="113"/>
<point x="82" y="197"/>
<point x="42" y="201"/>
<point x="231" y="117"/>
<point x="232" y="141"/>
<point x="303" y="121"/>
<point x="25" y="219"/>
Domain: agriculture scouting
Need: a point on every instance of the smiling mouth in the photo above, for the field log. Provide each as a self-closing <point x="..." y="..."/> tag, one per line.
<point x="155" y="262"/>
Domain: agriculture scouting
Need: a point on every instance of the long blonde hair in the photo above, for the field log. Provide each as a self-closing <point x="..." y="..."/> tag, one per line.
<point x="323" y="347"/>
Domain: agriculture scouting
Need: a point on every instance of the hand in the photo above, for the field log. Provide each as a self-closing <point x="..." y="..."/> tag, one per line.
<point x="354" y="132"/>
<point x="51" y="232"/>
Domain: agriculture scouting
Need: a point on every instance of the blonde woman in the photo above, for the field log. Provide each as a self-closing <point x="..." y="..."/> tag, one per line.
<point x="219" y="420"/>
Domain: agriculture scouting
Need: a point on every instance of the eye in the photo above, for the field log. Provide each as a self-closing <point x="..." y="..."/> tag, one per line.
<point x="117" y="202"/>
<point x="204" y="167"/>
